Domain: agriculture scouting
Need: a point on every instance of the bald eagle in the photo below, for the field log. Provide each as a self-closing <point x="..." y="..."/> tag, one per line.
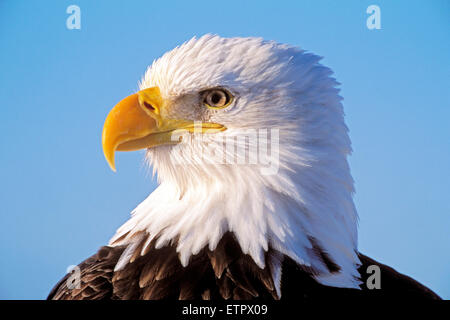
<point x="255" y="195"/>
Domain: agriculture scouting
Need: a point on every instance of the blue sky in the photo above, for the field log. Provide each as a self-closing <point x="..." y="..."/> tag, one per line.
<point x="60" y="201"/>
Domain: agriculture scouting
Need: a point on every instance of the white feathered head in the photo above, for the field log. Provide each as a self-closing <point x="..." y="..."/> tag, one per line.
<point x="246" y="136"/>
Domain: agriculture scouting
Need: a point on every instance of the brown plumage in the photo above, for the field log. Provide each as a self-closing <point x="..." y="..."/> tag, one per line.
<point x="225" y="273"/>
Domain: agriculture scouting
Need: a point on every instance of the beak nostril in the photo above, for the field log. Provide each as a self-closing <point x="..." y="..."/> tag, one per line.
<point x="149" y="106"/>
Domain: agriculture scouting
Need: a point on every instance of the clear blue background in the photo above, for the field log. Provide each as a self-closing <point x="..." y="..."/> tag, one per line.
<point x="59" y="201"/>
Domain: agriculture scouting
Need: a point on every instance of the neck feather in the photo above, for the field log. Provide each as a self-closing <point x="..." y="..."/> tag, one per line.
<point x="305" y="211"/>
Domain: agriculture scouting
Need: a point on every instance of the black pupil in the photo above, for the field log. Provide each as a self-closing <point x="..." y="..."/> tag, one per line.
<point x="216" y="97"/>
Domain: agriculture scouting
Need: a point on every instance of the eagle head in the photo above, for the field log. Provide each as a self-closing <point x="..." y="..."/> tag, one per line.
<point x="246" y="136"/>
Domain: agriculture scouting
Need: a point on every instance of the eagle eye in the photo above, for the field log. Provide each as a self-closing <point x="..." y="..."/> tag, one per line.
<point x="216" y="98"/>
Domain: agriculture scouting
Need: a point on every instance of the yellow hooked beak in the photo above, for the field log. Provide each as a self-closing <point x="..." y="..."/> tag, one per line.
<point x="137" y="122"/>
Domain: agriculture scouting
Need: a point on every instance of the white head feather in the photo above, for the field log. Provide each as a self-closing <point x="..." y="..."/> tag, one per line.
<point x="310" y="197"/>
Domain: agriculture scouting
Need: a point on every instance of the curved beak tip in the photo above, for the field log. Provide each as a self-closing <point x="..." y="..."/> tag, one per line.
<point x="113" y="167"/>
<point x="111" y="161"/>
